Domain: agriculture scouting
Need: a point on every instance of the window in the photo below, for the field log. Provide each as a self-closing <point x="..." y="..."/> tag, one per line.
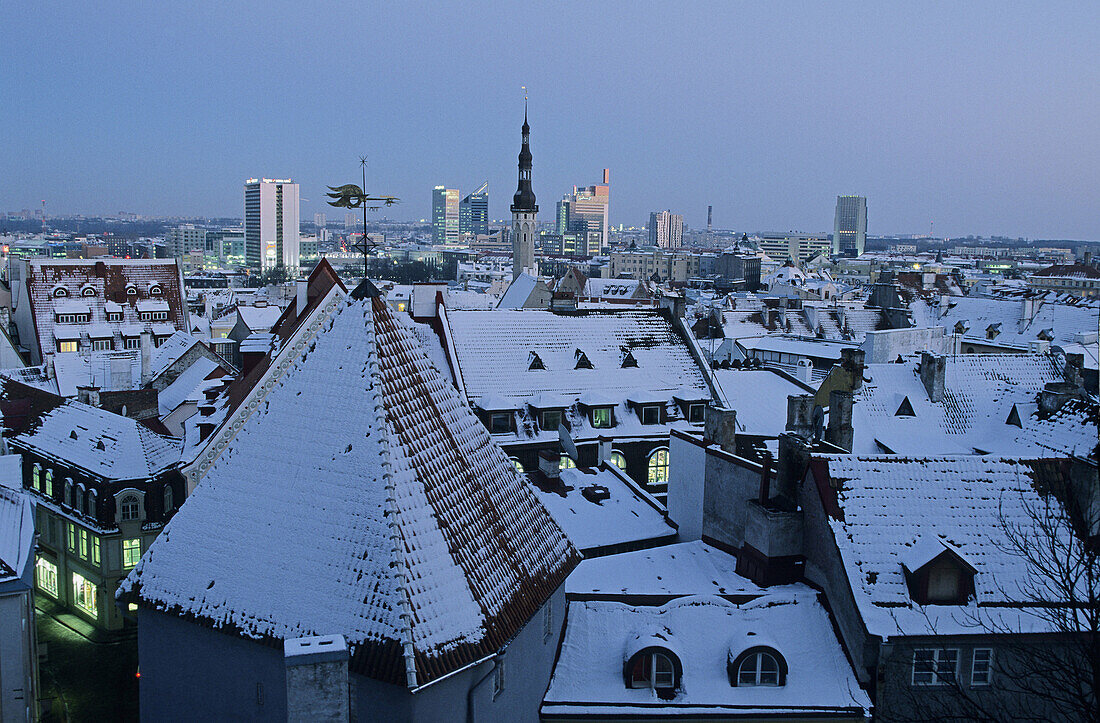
<point x="551" y="420"/>
<point x="131" y="342"/>
<point x="84" y="544"/>
<point x="64" y="346"/>
<point x="651" y="415"/>
<point x="68" y="499"/>
<point x="498" y="678"/>
<point x="759" y="668"/>
<point x="95" y="550"/>
<point x="102" y="344"/>
<point x="168" y="501"/>
<point x="131" y="553"/>
<point x="72" y="537"/>
<point x="155" y="290"/>
<point x="934" y="666"/>
<point x="87" y="291"/>
<point x="981" y="668"/>
<point x="36" y="477"/>
<point x="129" y="507"/>
<point x="60" y="292"/>
<point x="566" y="462"/>
<point x="114" y="316"/>
<point x="695" y="413"/>
<point x="131" y="290"/>
<point x="601" y="417"/>
<point x="72" y="318"/>
<point x="45" y="576"/>
<point x="84" y="595"/>
<point x="653" y="669"/>
<point x="658" y="466"/>
<point x="618" y="459"/>
<point x="500" y="423"/>
<point x="49" y="483"/>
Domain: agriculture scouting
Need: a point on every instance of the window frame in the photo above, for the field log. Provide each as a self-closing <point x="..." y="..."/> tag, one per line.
<point x="651" y="414"/>
<point x="65" y="346"/>
<point x="653" y="678"/>
<point x="46" y="568"/>
<point x="759" y="671"/>
<point x="654" y="470"/>
<point x="602" y="418"/>
<point x="103" y="344"/>
<point x="553" y="413"/>
<point x="495" y="417"/>
<point x="694" y="418"/>
<point x="130" y="545"/>
<point x="124" y="505"/>
<point x="988" y="662"/>
<point x="83" y="591"/>
<point x="620" y="455"/>
<point x="937" y="675"/>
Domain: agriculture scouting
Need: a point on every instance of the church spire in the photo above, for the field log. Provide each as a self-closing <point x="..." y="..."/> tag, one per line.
<point x="524" y="200"/>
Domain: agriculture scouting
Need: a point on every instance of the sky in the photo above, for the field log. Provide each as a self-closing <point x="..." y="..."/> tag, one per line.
<point x="964" y="118"/>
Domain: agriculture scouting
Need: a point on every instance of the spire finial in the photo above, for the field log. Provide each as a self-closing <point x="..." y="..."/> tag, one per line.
<point x="524" y="104"/>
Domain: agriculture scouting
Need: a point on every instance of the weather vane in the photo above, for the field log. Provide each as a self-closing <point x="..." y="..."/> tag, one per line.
<point x="351" y="196"/>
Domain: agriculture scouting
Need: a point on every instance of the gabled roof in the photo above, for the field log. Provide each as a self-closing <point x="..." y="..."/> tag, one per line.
<point x="17" y="537"/>
<point x="392" y="518"/>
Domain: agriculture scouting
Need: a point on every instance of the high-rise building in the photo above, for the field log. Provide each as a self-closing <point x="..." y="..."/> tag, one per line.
<point x="444" y="215"/>
<point x="271" y="224"/>
<point x="319" y="220"/>
<point x="350" y="220"/>
<point x="584" y="213"/>
<point x="473" y="212"/>
<point x="666" y="229"/>
<point x="183" y="239"/>
<point x="850" y="225"/>
<point x="524" y="210"/>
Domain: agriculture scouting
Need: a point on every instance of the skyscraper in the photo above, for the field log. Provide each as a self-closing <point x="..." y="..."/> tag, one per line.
<point x="473" y="211"/>
<point x="271" y="224"/>
<point x="850" y="225"/>
<point x="666" y="229"/>
<point x="319" y="220"/>
<point x="444" y="215"/>
<point x="584" y="213"/>
<point x="183" y="239"/>
<point x="524" y="210"/>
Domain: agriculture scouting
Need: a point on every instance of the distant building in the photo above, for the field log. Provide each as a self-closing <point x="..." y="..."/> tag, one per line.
<point x="524" y="210"/>
<point x="798" y="247"/>
<point x="473" y="212"/>
<point x="1075" y="279"/>
<point x="666" y="229"/>
<point x="445" y="215"/>
<point x="181" y="240"/>
<point x="850" y="226"/>
<point x="319" y="220"/>
<point x="661" y="264"/>
<point x="350" y="221"/>
<point x="583" y="213"/>
<point x="271" y="224"/>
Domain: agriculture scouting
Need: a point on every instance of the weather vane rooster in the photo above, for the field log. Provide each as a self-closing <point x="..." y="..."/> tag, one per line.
<point x="352" y="196"/>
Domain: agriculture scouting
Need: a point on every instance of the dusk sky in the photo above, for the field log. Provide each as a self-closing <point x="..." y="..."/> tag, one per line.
<point x="983" y="118"/>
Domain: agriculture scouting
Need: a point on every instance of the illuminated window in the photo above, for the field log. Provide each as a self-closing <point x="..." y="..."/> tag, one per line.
<point x="518" y="465"/>
<point x="95" y="550"/>
<point x="49" y="483"/>
<point x="84" y="544"/>
<point x="566" y="462"/>
<point x="131" y="552"/>
<point x="36" y="477"/>
<point x="618" y="459"/>
<point x="129" y="507"/>
<point x="658" y="466"/>
<point x="601" y="417"/>
<point x="45" y="576"/>
<point x="64" y="346"/>
<point x="84" y="595"/>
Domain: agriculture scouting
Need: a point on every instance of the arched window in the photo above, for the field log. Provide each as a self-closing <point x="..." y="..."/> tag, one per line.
<point x="654" y="667"/>
<point x="155" y="290"/>
<point x="518" y="465"/>
<point x="88" y="291"/>
<point x="49" y="483"/>
<point x="131" y="290"/>
<point x="168" y="501"/>
<point x="86" y="508"/>
<point x="129" y="507"/>
<point x="60" y="292"/>
<point x="68" y="498"/>
<point x="759" y="666"/>
<point x="566" y="462"/>
<point x="658" y="466"/>
<point x="618" y="459"/>
<point x="36" y="476"/>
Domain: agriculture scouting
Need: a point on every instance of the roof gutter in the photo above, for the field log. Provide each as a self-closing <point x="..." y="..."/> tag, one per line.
<point x="453" y="673"/>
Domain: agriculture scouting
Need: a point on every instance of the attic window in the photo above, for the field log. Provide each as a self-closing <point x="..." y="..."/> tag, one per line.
<point x="651" y="414"/>
<point x="905" y="409"/>
<point x="759" y="666"/>
<point x="534" y="361"/>
<point x="656" y="668"/>
<point x="129" y="507"/>
<point x="582" y="360"/>
<point x="155" y="290"/>
<point x="60" y="292"/>
<point x="131" y="290"/>
<point x="1014" y="418"/>
<point x="88" y="291"/>
<point x="628" y="360"/>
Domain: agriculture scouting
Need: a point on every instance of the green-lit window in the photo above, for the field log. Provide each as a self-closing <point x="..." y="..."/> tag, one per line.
<point x="601" y="417"/>
<point x="84" y="544"/>
<point x="84" y="595"/>
<point x="658" y="466"/>
<point x="45" y="576"/>
<point x="72" y="537"/>
<point x="49" y="483"/>
<point x="518" y="465"/>
<point x="36" y="477"/>
<point x="618" y="459"/>
<point x="566" y="462"/>
<point x="131" y="552"/>
<point x="95" y="549"/>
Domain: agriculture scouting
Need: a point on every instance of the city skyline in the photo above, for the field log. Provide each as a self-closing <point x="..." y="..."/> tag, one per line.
<point x="931" y="113"/>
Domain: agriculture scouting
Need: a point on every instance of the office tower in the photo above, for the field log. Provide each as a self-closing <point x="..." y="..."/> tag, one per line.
<point x="584" y="212"/>
<point x="350" y="220"/>
<point x="444" y="215"/>
<point x="850" y="225"/>
<point x="319" y="220"/>
<point x="473" y="212"/>
<point x="524" y="210"/>
<point x="185" y="238"/>
<point x="666" y="229"/>
<point x="271" y="224"/>
<point x="710" y="218"/>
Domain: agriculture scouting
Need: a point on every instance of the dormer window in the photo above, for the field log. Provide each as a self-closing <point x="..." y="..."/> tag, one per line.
<point x="696" y="412"/>
<point x="582" y="360"/>
<point x="60" y="292"/>
<point x="905" y="409"/>
<point x="651" y="414"/>
<point x="155" y="290"/>
<point x="87" y="291"/>
<point x="114" y="316"/>
<point x="550" y="420"/>
<point x="656" y="668"/>
<point x="500" y="422"/>
<point x="601" y="417"/>
<point x="629" y="361"/>
<point x="937" y="574"/>
<point x="128" y="507"/>
<point x="534" y="361"/>
<point x="131" y="290"/>
<point x="758" y="666"/>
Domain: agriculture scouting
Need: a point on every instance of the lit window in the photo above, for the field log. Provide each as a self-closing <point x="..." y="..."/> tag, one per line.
<point x="934" y="666"/>
<point x="618" y="459"/>
<point x="758" y="669"/>
<point x="981" y="670"/>
<point x="49" y="483"/>
<point x="45" y="576"/>
<point x="601" y="417"/>
<point x="64" y="346"/>
<point x="551" y="420"/>
<point x="518" y="465"/>
<point x="95" y="550"/>
<point x="566" y="462"/>
<point x="84" y="595"/>
<point x="652" y="669"/>
<point x="84" y="544"/>
<point x="131" y="552"/>
<point x="658" y="466"/>
<point x="129" y="508"/>
<point x="36" y="477"/>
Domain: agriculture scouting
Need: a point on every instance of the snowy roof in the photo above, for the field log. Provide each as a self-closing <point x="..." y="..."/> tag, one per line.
<point x="187" y="386"/>
<point x="613" y="288"/>
<point x="16" y="520"/>
<point x="979" y="393"/>
<point x="259" y="318"/>
<point x="759" y="396"/>
<point x="706" y="633"/>
<point x="518" y="292"/>
<point x="627" y="516"/>
<point x="409" y="526"/>
<point x="957" y="501"/>
<point x="815" y="349"/>
<point x="170" y="350"/>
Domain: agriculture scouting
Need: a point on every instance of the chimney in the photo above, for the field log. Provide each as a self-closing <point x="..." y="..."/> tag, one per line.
<point x="550" y="463"/>
<point x="851" y="360"/>
<point x="933" y="374"/>
<point x="720" y="427"/>
<point x="47" y="366"/>
<point x="303" y="296"/>
<point x="794" y="458"/>
<point x="1027" y="309"/>
<point x="1054" y="395"/>
<point x="317" y="679"/>
<point x="88" y="395"/>
<point x="839" y="431"/>
<point x="804" y="371"/>
<point x="603" y="450"/>
<point x="146" y="357"/>
<point x="800" y="409"/>
<point x="1075" y="363"/>
<point x="208" y="306"/>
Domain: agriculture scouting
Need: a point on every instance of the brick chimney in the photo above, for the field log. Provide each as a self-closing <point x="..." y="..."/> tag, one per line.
<point x="933" y="374"/>
<point x="720" y="427"/>
<point x="550" y="463"/>
<point x="800" y="409"/>
<point x="317" y="679"/>
<point x="852" y="361"/>
<point x="839" y="432"/>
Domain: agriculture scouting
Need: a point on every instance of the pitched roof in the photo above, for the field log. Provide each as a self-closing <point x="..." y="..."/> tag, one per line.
<point x="16" y="520"/>
<point x="412" y="534"/>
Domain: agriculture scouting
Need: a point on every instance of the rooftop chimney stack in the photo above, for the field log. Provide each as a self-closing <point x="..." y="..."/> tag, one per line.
<point x="317" y="679"/>
<point x="720" y="427"/>
<point x="800" y="409"/>
<point x="852" y="361"/>
<point x="794" y="458"/>
<point x="839" y="431"/>
<point x="933" y="374"/>
<point x="302" y="299"/>
<point x="146" y="357"/>
<point x="550" y="464"/>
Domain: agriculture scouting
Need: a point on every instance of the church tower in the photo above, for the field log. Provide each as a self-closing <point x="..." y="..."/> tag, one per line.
<point x="524" y="210"/>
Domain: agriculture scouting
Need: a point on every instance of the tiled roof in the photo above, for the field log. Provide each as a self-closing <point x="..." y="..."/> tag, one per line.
<point x="392" y="519"/>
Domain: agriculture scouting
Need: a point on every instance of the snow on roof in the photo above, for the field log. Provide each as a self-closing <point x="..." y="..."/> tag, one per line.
<point x="187" y="386"/>
<point x="1071" y="430"/>
<point x="611" y="288"/>
<point x="707" y="632"/>
<point x="979" y="392"/>
<point x="101" y="443"/>
<point x="816" y="349"/>
<point x="686" y="568"/>
<point x="952" y="500"/>
<point x="148" y="305"/>
<point x="759" y="396"/>
<point x="372" y="448"/>
<point x="627" y="516"/>
<point x="259" y="318"/>
<point x="518" y="292"/>
<point x="170" y="350"/>
<point x="493" y="351"/>
<point x="16" y="520"/>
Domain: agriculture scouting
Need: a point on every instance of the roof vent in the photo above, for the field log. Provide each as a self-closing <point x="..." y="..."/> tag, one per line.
<point x="596" y="493"/>
<point x="905" y="409"/>
<point x="582" y="360"/>
<point x="1014" y="418"/>
<point x="534" y="361"/>
<point x="100" y="445"/>
<point x="72" y="434"/>
<point x="628" y="360"/>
